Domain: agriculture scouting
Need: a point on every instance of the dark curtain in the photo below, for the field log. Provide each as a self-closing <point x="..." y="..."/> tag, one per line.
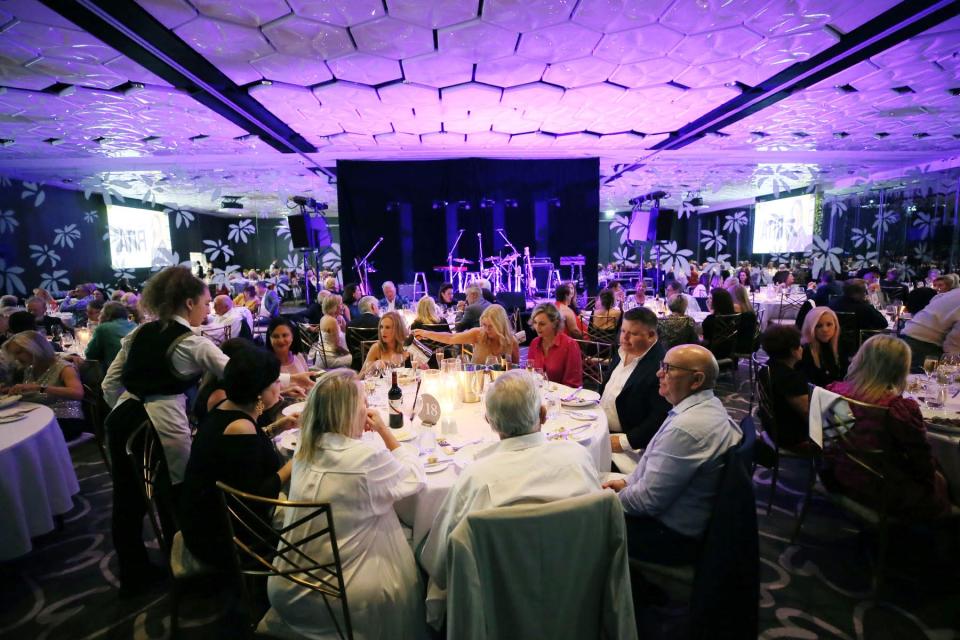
<point x="556" y="212"/>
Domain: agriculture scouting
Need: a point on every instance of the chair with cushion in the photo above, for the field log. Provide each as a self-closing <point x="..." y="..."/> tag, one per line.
<point x="723" y="343"/>
<point x="511" y="572"/>
<point x="146" y="455"/>
<point x="789" y="308"/>
<point x="849" y="339"/>
<point x="355" y="338"/>
<point x="747" y="342"/>
<point x="94" y="407"/>
<point x="768" y="435"/>
<point x="264" y="550"/>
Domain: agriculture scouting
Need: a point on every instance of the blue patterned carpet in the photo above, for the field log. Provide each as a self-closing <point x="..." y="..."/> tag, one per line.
<point x="819" y="588"/>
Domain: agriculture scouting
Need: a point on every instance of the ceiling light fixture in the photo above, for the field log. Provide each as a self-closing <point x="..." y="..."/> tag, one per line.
<point x="231" y="202"/>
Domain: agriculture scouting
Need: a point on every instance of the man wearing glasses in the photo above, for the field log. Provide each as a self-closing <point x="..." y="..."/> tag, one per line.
<point x="669" y="496"/>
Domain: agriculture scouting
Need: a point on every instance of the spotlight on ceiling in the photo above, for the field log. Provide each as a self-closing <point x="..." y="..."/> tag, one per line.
<point x="511" y="203"/>
<point x="464" y="205"/>
<point x="653" y="195"/>
<point x="439" y="204"/>
<point x="487" y="203"/>
<point x="696" y="202"/>
<point x="231" y="202"/>
<point x="554" y="202"/>
<point x="309" y="205"/>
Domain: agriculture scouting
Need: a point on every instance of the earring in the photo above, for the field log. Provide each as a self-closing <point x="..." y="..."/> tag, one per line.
<point x="258" y="408"/>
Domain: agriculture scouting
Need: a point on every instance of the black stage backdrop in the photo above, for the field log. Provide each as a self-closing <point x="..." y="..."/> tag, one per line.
<point x="556" y="213"/>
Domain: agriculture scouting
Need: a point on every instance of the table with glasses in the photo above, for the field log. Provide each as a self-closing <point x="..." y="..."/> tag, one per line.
<point x="37" y="479"/>
<point x="455" y="448"/>
<point x="939" y="398"/>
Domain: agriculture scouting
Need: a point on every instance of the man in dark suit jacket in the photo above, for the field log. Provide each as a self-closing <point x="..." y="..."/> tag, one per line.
<point x="854" y="300"/>
<point x="368" y="318"/>
<point x="629" y="395"/>
<point x="38" y="308"/>
<point x="476" y="305"/>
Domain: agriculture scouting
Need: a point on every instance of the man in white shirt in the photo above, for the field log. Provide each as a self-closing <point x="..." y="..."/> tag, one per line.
<point x="935" y="329"/>
<point x="522" y="468"/>
<point x="227" y="315"/>
<point x="669" y="496"/>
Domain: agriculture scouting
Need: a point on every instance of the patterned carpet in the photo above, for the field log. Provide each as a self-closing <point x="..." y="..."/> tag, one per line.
<point x="819" y="588"/>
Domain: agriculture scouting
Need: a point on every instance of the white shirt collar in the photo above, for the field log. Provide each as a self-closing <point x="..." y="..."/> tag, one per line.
<point x="692" y="400"/>
<point x="182" y="321"/>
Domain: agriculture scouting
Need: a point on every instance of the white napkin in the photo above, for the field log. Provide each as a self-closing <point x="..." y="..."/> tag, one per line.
<point x="826" y="406"/>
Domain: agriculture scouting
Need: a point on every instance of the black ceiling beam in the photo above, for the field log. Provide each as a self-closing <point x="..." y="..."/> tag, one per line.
<point x="134" y="32"/>
<point x="902" y="22"/>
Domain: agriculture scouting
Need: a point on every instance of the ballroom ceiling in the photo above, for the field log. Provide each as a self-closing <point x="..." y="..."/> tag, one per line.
<point x="183" y="102"/>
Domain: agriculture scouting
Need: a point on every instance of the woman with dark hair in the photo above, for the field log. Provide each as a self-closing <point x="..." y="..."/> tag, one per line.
<point x="351" y="296"/>
<point x="606" y="315"/>
<point x="721" y="304"/>
<point x="283" y="339"/>
<point x="232" y="448"/>
<point x="787" y="390"/>
<point x="158" y="363"/>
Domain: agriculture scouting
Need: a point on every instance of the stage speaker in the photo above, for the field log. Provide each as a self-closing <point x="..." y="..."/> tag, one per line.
<point x="665" y="220"/>
<point x="511" y="300"/>
<point x="309" y="232"/>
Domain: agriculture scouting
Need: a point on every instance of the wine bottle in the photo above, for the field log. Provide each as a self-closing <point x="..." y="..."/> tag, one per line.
<point x="395" y="402"/>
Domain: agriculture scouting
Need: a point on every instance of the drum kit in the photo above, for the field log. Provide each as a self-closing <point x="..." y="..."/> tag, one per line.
<point x="504" y="273"/>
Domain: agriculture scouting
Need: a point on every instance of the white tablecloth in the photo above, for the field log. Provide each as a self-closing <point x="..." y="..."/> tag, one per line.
<point x="419" y="511"/>
<point x="37" y="478"/>
<point x="68" y="319"/>
<point x="943" y="434"/>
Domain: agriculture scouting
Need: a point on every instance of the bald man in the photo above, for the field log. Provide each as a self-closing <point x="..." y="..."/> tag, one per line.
<point x="239" y="319"/>
<point x="669" y="496"/>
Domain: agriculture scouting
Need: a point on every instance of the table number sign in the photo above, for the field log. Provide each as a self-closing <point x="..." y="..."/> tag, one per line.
<point x="430" y="410"/>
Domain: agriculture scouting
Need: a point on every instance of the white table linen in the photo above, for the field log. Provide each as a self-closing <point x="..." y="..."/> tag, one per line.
<point x="943" y="433"/>
<point x="37" y="478"/>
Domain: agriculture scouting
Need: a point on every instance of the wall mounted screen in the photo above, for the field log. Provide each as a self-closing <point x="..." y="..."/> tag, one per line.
<point x="136" y="235"/>
<point x="784" y="225"/>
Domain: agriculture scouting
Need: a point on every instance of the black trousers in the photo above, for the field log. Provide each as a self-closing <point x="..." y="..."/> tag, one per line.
<point x="650" y="541"/>
<point x="129" y="505"/>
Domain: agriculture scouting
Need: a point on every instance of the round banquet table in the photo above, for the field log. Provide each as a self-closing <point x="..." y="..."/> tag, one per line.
<point x="473" y="435"/>
<point x="37" y="478"/>
<point x="943" y="432"/>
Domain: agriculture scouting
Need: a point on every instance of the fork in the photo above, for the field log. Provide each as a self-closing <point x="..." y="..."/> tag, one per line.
<point x="572" y="395"/>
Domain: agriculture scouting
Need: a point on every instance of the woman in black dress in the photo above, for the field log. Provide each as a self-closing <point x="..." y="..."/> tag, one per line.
<point x="232" y="448"/>
<point x="822" y="362"/>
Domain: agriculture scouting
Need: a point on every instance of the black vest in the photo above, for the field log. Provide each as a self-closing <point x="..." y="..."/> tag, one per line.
<point x="148" y="370"/>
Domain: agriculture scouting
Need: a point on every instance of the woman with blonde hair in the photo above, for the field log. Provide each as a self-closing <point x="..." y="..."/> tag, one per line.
<point x="820" y="338"/>
<point x="334" y="464"/>
<point x="741" y="299"/>
<point x="913" y="487"/>
<point x="48" y="299"/>
<point x="427" y="314"/>
<point x="389" y="347"/>
<point x="493" y="337"/>
<point x="331" y="350"/>
<point x="47" y="379"/>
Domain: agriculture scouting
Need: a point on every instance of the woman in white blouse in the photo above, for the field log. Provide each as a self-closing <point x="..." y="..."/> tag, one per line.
<point x="362" y="481"/>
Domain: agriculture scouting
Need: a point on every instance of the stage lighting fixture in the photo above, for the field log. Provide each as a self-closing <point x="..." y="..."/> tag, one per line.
<point x="487" y="203"/>
<point x="554" y="202"/>
<point x="464" y="204"/>
<point x="231" y="202"/>
<point x="510" y="202"/>
<point x="393" y="206"/>
<point x="440" y="204"/>
<point x="696" y="202"/>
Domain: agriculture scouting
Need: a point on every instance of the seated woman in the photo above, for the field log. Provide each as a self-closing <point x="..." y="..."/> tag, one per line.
<point x="914" y="488"/>
<point x="388" y="350"/>
<point x="45" y="378"/>
<point x="283" y="339"/>
<point x="720" y="303"/>
<point x="493" y="337"/>
<point x="605" y="319"/>
<point x="114" y="324"/>
<point x="788" y="393"/>
<point x="331" y="350"/>
<point x="428" y="316"/>
<point x="821" y="363"/>
<point x="678" y="327"/>
<point x="231" y="448"/>
<point x="552" y="350"/>
<point x="333" y="464"/>
<point x="748" y="318"/>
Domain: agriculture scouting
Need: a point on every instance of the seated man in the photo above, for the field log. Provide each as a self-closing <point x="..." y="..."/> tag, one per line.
<point x="38" y="308"/>
<point x="369" y="316"/>
<point x="669" y="497"/>
<point x="475" y="305"/>
<point x="629" y="395"/>
<point x="522" y="468"/>
<point x="269" y="306"/>
<point x="390" y="300"/>
<point x="76" y="301"/>
<point x="935" y="329"/>
<point x="239" y="319"/>
<point x="854" y="300"/>
<point x="674" y="289"/>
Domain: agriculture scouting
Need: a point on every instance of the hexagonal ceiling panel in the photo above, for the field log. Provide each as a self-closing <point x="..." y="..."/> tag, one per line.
<point x="654" y="88"/>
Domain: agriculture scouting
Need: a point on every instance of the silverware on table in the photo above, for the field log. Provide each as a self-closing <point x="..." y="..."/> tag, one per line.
<point x="572" y="395"/>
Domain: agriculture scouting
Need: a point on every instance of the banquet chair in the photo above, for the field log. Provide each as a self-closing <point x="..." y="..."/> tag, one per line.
<point x="146" y="456"/>
<point x="790" y="305"/>
<point x="768" y="435"/>
<point x="511" y="573"/>
<point x="308" y="338"/>
<point x="747" y="343"/>
<point x="217" y="335"/>
<point x="722" y="587"/>
<point x="849" y="339"/>
<point x="594" y="357"/>
<point x="724" y="342"/>
<point x="94" y="407"/>
<point x="355" y="337"/>
<point x="266" y="550"/>
<point x="866" y="334"/>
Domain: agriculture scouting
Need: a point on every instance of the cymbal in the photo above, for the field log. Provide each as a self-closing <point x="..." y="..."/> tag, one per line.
<point x="493" y="259"/>
<point x="462" y="261"/>
<point x="446" y="268"/>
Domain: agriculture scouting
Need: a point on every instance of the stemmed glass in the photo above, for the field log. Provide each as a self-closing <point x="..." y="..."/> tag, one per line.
<point x="930" y="364"/>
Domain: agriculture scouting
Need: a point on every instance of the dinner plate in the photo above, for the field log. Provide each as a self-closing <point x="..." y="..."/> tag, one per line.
<point x="295" y="408"/>
<point x="582" y="415"/>
<point x="404" y="434"/>
<point x="584" y="398"/>
<point x="8" y="401"/>
<point x="436" y="467"/>
<point x="289" y="439"/>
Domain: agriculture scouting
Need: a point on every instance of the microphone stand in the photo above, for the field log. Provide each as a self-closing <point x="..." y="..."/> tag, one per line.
<point x="450" y="262"/>
<point x="361" y="267"/>
<point x="480" y="252"/>
<point x="516" y="262"/>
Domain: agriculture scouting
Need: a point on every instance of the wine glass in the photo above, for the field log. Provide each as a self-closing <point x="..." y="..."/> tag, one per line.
<point x="930" y="364"/>
<point x="492" y="362"/>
